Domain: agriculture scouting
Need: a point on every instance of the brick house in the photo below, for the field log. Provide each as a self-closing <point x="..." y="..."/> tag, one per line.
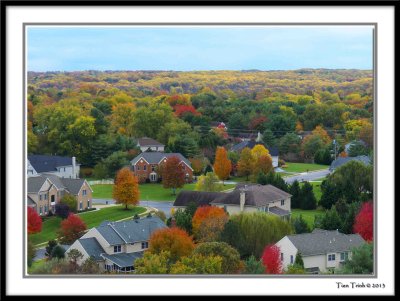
<point x="146" y="166"/>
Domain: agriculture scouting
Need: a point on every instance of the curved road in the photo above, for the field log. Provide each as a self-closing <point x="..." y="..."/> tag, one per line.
<point x="308" y="176"/>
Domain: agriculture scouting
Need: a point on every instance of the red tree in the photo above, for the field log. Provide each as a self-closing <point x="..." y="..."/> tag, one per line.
<point x="34" y="221"/>
<point x="271" y="259"/>
<point x="72" y="229"/>
<point x="184" y="109"/>
<point x="206" y="212"/>
<point x="364" y="222"/>
<point x="173" y="175"/>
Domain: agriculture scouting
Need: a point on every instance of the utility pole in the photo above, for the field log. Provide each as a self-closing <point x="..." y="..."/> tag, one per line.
<point x="334" y="143"/>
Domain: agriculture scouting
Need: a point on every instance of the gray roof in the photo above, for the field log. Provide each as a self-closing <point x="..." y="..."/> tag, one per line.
<point x="255" y="195"/>
<point x="30" y="201"/>
<point x="92" y="247"/>
<point x="116" y="233"/>
<point x="201" y="198"/>
<point x="343" y="160"/>
<point x="57" y="181"/>
<point x="155" y="157"/>
<point x="43" y="163"/>
<point x="35" y="183"/>
<point x="279" y="211"/>
<point x="123" y="260"/>
<point x="72" y="185"/>
<point x="348" y="145"/>
<point x="324" y="241"/>
<point x="145" y="141"/>
<point x="273" y="151"/>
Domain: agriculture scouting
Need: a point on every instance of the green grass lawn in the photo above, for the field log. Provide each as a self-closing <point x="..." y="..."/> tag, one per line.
<point x="150" y="192"/>
<point x="316" y="189"/>
<point x="91" y="219"/>
<point x="303" y="167"/>
<point x="36" y="264"/>
<point x="308" y="215"/>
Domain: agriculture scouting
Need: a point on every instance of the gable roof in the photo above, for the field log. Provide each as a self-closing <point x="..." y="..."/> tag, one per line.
<point x="324" y="241"/>
<point x="72" y="185"/>
<point x="35" y="183"/>
<point x="145" y="141"/>
<point x="123" y="260"/>
<point x="201" y="198"/>
<point x="156" y="157"/>
<point x="251" y="144"/>
<point x="116" y="233"/>
<point x="43" y="163"/>
<point x="255" y="195"/>
<point x="57" y="181"/>
<point x="343" y="160"/>
<point x="92" y="247"/>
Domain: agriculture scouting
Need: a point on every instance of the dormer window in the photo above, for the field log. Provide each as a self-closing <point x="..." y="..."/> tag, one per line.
<point x="145" y="245"/>
<point x="117" y="249"/>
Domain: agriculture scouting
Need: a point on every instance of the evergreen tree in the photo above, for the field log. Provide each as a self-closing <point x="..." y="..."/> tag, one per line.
<point x="262" y="178"/>
<point x="300" y="225"/>
<point x="295" y="192"/>
<point x="299" y="260"/>
<point x="308" y="200"/>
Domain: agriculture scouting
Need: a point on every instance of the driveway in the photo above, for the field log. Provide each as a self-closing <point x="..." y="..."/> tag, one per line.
<point x="307" y="176"/>
<point x="40" y="253"/>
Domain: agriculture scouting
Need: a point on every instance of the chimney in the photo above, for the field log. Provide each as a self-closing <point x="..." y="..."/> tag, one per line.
<point x="242" y="197"/>
<point x="73" y="168"/>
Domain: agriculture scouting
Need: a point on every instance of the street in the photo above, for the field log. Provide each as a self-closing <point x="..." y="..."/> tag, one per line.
<point x="308" y="176"/>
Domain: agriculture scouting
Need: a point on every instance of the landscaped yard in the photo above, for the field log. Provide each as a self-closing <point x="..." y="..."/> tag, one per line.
<point x="148" y="192"/>
<point x="91" y="218"/>
<point x="303" y="167"/>
<point x="308" y="215"/>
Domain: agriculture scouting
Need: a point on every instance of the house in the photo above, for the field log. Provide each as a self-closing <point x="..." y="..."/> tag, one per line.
<point x="321" y="250"/>
<point x="273" y="151"/>
<point x="244" y="198"/>
<point x="146" y="166"/>
<point x="46" y="190"/>
<point x="64" y="167"/>
<point x="116" y="245"/>
<point x="148" y="144"/>
<point x="354" y="142"/>
<point x="343" y="160"/>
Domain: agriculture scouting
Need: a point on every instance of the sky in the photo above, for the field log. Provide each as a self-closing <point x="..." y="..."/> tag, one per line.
<point x="186" y="48"/>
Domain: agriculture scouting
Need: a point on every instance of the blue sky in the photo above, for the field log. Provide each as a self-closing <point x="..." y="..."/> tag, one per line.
<point x="198" y="48"/>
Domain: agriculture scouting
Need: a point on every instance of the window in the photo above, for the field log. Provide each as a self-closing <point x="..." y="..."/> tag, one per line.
<point x="145" y="245"/>
<point x="88" y="203"/>
<point x="84" y="192"/>
<point x="144" y="167"/>
<point x="153" y="168"/>
<point x="80" y="205"/>
<point x="117" y="249"/>
<point x="138" y="167"/>
<point x="344" y="256"/>
<point x="291" y="258"/>
<point x="45" y="196"/>
<point x="40" y="197"/>
<point x="40" y="210"/>
<point x="331" y="257"/>
<point x="283" y="203"/>
<point x="64" y="168"/>
<point x="281" y="256"/>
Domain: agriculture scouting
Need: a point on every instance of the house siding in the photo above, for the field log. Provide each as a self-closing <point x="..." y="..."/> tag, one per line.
<point x="103" y="243"/>
<point x="84" y="198"/>
<point x="77" y="245"/>
<point x="286" y="206"/>
<point x="288" y="249"/>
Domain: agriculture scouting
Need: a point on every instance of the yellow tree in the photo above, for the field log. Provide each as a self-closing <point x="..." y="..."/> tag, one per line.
<point x="246" y="163"/>
<point x="320" y="131"/>
<point x="126" y="188"/>
<point x="222" y="165"/>
<point x="258" y="151"/>
<point x="262" y="160"/>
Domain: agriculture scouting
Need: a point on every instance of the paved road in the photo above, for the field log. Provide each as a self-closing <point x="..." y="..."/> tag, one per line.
<point x="308" y="176"/>
<point x="40" y="253"/>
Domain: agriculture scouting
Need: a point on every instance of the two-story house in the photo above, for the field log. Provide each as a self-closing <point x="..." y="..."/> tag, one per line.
<point x="45" y="190"/>
<point x="146" y="166"/>
<point x="148" y="144"/>
<point x="244" y="198"/>
<point x="321" y="250"/>
<point x="116" y="245"/>
<point x="63" y="167"/>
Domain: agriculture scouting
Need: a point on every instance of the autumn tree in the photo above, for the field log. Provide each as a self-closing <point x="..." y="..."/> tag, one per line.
<point x="262" y="160"/>
<point x="208" y="182"/>
<point x="152" y="263"/>
<point x="34" y="221"/>
<point x="126" y="188"/>
<point x="271" y="259"/>
<point x="70" y="201"/>
<point x="246" y="163"/>
<point x="207" y="212"/>
<point x="364" y="223"/>
<point x="198" y="165"/>
<point x="222" y="165"/>
<point x="174" y="240"/>
<point x="71" y="229"/>
<point x="173" y="175"/>
<point x="198" y="264"/>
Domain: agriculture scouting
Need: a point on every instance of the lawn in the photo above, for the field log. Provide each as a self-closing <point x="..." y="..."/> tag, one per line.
<point x="316" y="189"/>
<point x="150" y="192"/>
<point x="308" y="215"/>
<point x="303" y="167"/>
<point x="36" y="264"/>
<point x="91" y="219"/>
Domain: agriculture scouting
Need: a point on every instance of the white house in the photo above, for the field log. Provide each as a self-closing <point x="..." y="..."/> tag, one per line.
<point x="116" y="245"/>
<point x="63" y="167"/>
<point x="321" y="250"/>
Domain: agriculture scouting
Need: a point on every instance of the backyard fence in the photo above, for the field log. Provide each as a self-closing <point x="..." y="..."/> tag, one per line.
<point x="104" y="181"/>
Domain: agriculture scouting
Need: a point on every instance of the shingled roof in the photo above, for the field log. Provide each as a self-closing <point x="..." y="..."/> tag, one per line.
<point x="343" y="160"/>
<point x="35" y="183"/>
<point x="324" y="241"/>
<point x="92" y="247"/>
<point x="145" y="141"/>
<point x="200" y="198"/>
<point x="123" y="260"/>
<point x="45" y="163"/>
<point x="273" y="151"/>
<point x="71" y="185"/>
<point x="156" y="157"/>
<point x="256" y="195"/>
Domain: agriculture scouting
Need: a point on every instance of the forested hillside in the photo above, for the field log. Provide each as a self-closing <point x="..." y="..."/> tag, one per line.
<point x="94" y="115"/>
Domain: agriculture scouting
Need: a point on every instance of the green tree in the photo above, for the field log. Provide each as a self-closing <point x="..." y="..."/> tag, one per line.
<point x="331" y="220"/>
<point x="357" y="149"/>
<point x="268" y="138"/>
<point x="198" y="264"/>
<point x="90" y="266"/>
<point x="31" y="251"/>
<point x="183" y="220"/>
<point x="300" y="225"/>
<point x="58" y="252"/>
<point x="290" y="143"/>
<point x="361" y="262"/>
<point x="208" y="182"/>
<point x="49" y="248"/>
<point x="262" y="178"/>
<point x="71" y="201"/>
<point x="253" y="266"/>
<point x="246" y="163"/>
<point x="295" y="191"/>
<point x="153" y="263"/>
<point x="308" y="200"/>
<point x="299" y="260"/>
<point x="294" y="269"/>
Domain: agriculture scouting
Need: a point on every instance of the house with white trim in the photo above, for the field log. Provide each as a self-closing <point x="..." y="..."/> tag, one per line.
<point x="63" y="167"/>
<point x="148" y="144"/>
<point x="116" y="245"/>
<point x="146" y="166"/>
<point x="321" y="250"/>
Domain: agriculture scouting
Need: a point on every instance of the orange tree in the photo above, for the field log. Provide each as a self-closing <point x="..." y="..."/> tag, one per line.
<point x="222" y="165"/>
<point x="208" y="218"/>
<point x="173" y="175"/>
<point x="174" y="240"/>
<point x="126" y="188"/>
